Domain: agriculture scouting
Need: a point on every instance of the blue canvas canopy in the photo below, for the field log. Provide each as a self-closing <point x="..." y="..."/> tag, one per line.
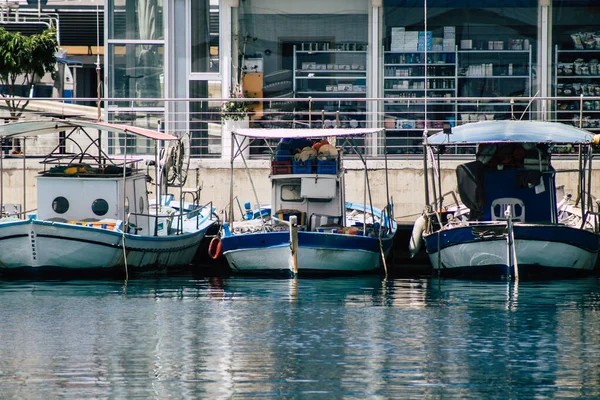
<point x="512" y="132"/>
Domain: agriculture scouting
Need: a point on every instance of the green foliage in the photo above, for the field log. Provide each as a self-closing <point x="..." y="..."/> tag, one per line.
<point x="235" y="110"/>
<point x="22" y="59"/>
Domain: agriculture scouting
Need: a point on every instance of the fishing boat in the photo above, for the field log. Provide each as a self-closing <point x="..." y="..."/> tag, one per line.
<point x="311" y="228"/>
<point x="94" y="213"/>
<point x="507" y="220"/>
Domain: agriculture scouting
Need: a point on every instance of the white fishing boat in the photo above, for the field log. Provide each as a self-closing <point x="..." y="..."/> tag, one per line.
<point x="94" y="214"/>
<point x="311" y="228"/>
<point x="506" y="220"/>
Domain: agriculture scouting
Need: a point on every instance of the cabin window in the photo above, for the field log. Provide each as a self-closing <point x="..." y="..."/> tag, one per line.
<point x="141" y="205"/>
<point x="126" y="205"/>
<point x="60" y="205"/>
<point x="100" y="207"/>
<point x="290" y="193"/>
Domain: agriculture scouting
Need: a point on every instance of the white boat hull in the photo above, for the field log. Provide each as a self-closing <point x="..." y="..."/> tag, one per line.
<point x="491" y="253"/>
<point x="318" y="253"/>
<point x="556" y="252"/>
<point x="40" y="245"/>
<point x="310" y="260"/>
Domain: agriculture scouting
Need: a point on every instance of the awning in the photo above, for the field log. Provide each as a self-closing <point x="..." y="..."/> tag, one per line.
<point x="289" y="133"/>
<point x="69" y="62"/>
<point x="512" y="132"/>
<point x="44" y="127"/>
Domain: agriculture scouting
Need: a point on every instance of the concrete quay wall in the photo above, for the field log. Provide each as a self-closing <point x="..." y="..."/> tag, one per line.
<point x="405" y="178"/>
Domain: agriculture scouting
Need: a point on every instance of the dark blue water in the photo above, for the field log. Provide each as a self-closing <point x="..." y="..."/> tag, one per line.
<point x="188" y="337"/>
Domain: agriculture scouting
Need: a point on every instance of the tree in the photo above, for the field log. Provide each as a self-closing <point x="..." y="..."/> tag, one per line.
<point x="22" y="59"/>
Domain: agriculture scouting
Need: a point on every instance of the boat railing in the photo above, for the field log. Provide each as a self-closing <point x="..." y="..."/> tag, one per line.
<point x="29" y="214"/>
<point x="197" y="213"/>
<point x="148" y="224"/>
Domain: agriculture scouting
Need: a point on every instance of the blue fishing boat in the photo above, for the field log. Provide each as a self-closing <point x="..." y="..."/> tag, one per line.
<point x="507" y="220"/>
<point x="311" y="228"/>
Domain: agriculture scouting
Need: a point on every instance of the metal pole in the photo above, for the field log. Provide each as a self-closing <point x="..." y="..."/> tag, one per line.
<point x="294" y="243"/>
<point x="230" y="217"/>
<point x="513" y="265"/>
<point x="98" y="77"/>
<point x="24" y="177"/>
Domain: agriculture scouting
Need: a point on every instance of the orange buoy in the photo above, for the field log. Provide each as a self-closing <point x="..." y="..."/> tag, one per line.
<point x="215" y="248"/>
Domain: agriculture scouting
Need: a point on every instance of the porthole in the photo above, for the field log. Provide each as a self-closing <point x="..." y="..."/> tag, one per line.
<point x="60" y="205"/>
<point x="141" y="204"/>
<point x="100" y="207"/>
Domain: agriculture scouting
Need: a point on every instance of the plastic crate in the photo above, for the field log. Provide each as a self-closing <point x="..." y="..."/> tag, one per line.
<point x="302" y="167"/>
<point x="281" y="167"/>
<point x="327" y="167"/>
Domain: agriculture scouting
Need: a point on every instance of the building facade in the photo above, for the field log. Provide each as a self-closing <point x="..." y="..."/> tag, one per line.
<point x="405" y="65"/>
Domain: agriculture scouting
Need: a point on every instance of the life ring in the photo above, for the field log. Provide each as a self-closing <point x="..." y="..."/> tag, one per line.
<point x="215" y="248"/>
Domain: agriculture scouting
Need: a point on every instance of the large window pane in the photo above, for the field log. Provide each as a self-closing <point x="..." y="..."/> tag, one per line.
<point x="137" y="19"/>
<point x="205" y="35"/>
<point x="205" y="119"/>
<point x="481" y="48"/>
<point x="576" y="50"/>
<point x="137" y="71"/>
<point x="277" y="51"/>
<point x="119" y="144"/>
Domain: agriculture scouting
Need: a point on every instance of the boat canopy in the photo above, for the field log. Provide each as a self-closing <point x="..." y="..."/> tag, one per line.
<point x="43" y="127"/>
<point x="510" y="131"/>
<point x="305" y="133"/>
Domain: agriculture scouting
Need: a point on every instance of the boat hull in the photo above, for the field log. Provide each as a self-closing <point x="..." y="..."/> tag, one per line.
<point x="542" y="251"/>
<point x="30" y="246"/>
<point x="318" y="253"/>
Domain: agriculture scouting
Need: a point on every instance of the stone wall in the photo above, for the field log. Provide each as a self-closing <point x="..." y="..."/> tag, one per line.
<point x="406" y="185"/>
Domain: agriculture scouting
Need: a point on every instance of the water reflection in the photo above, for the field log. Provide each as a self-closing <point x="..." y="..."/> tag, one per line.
<point x="197" y="337"/>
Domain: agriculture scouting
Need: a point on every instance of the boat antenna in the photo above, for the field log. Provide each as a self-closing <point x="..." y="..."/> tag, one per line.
<point x="98" y="78"/>
<point x="425" y="109"/>
<point x="425" y="62"/>
<point x="528" y="104"/>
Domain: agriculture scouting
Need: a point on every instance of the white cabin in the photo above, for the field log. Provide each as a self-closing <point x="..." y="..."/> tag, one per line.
<point x="92" y="196"/>
<point x="318" y="197"/>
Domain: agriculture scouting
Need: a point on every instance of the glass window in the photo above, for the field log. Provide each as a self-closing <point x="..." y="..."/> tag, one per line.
<point x="481" y="48"/>
<point x="136" y="19"/>
<point x="100" y="207"/>
<point x="290" y="193"/>
<point x="60" y="205"/>
<point x="132" y="144"/>
<point x="576" y="51"/>
<point x="205" y="119"/>
<point x="283" y="45"/>
<point x="205" y="35"/>
<point x="141" y="205"/>
<point x="137" y="71"/>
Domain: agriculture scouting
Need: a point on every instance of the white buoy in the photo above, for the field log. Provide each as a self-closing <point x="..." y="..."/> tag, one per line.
<point x="416" y="238"/>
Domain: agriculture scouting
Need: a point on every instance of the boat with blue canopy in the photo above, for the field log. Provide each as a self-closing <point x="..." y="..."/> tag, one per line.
<point x="506" y="217"/>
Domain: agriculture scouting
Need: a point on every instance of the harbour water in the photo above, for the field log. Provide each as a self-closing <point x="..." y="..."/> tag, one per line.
<point x="190" y="337"/>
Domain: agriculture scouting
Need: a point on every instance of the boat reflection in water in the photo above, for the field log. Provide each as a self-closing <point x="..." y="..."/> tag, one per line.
<point x="243" y="337"/>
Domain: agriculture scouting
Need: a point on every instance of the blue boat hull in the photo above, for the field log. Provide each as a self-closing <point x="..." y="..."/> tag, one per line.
<point x="541" y="250"/>
<point x="318" y="253"/>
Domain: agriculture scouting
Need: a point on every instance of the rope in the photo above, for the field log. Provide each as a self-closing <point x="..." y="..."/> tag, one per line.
<point x="125" y="254"/>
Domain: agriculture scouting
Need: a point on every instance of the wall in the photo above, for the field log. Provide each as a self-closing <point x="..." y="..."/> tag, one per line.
<point x="406" y="185"/>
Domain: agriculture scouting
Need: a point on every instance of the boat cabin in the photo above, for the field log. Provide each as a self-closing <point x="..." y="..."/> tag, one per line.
<point x="307" y="181"/>
<point x="101" y="197"/>
<point x="515" y="174"/>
